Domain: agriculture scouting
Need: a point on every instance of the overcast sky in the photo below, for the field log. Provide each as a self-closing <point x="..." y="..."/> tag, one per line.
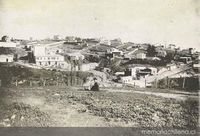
<point x="152" y="21"/>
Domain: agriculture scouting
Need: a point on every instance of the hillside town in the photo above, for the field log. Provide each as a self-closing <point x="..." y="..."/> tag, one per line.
<point x="96" y="82"/>
<point x="112" y="62"/>
<point x="99" y="67"/>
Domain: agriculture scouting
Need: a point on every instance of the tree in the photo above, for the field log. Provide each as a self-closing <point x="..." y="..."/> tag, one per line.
<point x="171" y="55"/>
<point x="31" y="57"/>
<point x="151" y="51"/>
<point x="4" y="38"/>
<point x="115" y="65"/>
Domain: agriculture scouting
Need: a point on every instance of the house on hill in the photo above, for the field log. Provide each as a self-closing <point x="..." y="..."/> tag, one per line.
<point x="161" y="52"/>
<point x="113" y="52"/>
<point x="143" y="46"/>
<point x="7" y="54"/>
<point x="116" y="42"/>
<point x="88" y="66"/>
<point x="55" y="61"/>
<point x="137" y="54"/>
<point x="140" y="71"/>
<point x="171" y="46"/>
<point x="75" y="56"/>
<point x="49" y="58"/>
<point x="105" y="42"/>
<point x="140" y="54"/>
<point x="6" y="42"/>
<point x="6" y="58"/>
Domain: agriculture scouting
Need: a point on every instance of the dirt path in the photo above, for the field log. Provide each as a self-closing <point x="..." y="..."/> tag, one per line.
<point x="176" y="96"/>
<point x="169" y="95"/>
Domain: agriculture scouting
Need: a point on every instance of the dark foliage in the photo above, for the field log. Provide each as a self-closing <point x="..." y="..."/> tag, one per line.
<point x="151" y="51"/>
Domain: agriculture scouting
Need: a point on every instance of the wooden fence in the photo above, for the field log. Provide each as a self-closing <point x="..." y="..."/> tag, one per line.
<point x="182" y="83"/>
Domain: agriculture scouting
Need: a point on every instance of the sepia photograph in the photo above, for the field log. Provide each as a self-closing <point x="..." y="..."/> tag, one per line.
<point x="99" y="67"/>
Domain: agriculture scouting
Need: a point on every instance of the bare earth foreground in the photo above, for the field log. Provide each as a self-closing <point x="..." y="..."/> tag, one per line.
<point x="73" y="107"/>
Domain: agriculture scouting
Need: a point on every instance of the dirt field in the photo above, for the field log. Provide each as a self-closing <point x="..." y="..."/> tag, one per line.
<point x="67" y="107"/>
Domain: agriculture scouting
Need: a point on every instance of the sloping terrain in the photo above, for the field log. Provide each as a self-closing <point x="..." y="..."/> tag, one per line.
<point x="53" y="106"/>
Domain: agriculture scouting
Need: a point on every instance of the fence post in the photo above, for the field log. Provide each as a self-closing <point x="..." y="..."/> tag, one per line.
<point x="167" y="82"/>
<point x="30" y="83"/>
<point x="16" y="82"/>
<point x="199" y="89"/>
<point x="183" y="83"/>
<point x="57" y="79"/>
<point x="0" y="82"/>
<point x="44" y="82"/>
<point x="156" y="83"/>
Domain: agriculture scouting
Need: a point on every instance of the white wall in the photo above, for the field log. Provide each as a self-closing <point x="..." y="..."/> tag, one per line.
<point x="126" y="79"/>
<point x="39" y="50"/>
<point x="8" y="44"/>
<point x="89" y="66"/>
<point x="51" y="61"/>
<point x="50" y="58"/>
<point x="141" y="56"/>
<point x="6" y="58"/>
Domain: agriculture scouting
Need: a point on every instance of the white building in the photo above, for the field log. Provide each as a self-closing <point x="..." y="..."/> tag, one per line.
<point x="116" y="42"/>
<point x="56" y="61"/>
<point x="31" y="44"/>
<point x="46" y="49"/>
<point x="39" y="50"/>
<point x="88" y="66"/>
<point x="172" y="46"/>
<point x="171" y="66"/>
<point x="105" y="42"/>
<point x="141" y="70"/>
<point x="141" y="55"/>
<point x="75" y="56"/>
<point x="70" y="39"/>
<point x="126" y="79"/>
<point x="57" y="37"/>
<point x="136" y="54"/>
<point x="114" y="50"/>
<point x="6" y="58"/>
<point x="52" y="51"/>
<point x="47" y="57"/>
<point x="161" y="53"/>
<point x="119" y="73"/>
